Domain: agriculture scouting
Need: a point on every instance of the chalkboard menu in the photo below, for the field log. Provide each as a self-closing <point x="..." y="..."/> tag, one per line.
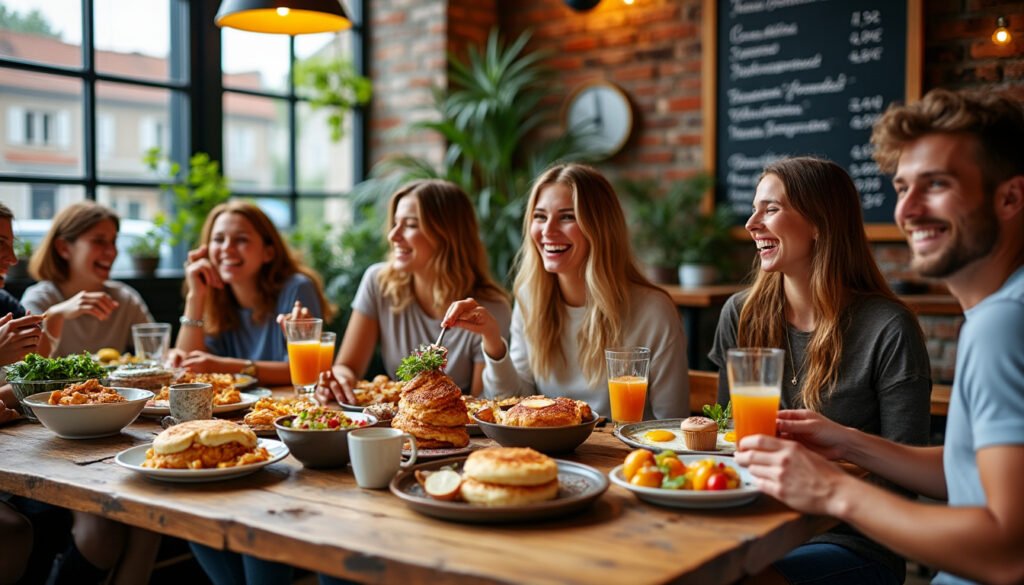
<point x="806" y="77"/>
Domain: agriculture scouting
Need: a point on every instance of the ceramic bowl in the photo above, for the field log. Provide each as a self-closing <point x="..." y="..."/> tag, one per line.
<point x="543" y="439"/>
<point x="24" y="389"/>
<point x="89" y="421"/>
<point x="319" y="448"/>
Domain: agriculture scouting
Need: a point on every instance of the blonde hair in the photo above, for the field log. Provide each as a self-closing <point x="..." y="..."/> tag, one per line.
<point x="68" y="225"/>
<point x="221" y="312"/>
<point x="459" y="263"/>
<point x="609" y="271"/>
<point x="842" y="267"/>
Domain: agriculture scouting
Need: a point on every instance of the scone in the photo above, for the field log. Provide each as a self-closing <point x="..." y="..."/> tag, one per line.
<point x="700" y="433"/>
<point x="504" y="476"/>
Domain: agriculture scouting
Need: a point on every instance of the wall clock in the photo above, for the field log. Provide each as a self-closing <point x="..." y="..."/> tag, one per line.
<point x="601" y="112"/>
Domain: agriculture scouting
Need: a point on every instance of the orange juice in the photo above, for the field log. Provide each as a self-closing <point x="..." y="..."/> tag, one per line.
<point x="304" y="361"/>
<point x="754" y="409"/>
<point x="626" y="395"/>
<point x="326" y="355"/>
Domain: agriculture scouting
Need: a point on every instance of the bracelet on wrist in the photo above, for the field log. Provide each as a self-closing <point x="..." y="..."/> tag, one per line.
<point x="186" y="322"/>
<point x="249" y="368"/>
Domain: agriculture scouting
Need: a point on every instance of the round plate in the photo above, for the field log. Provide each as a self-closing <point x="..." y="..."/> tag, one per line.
<point x="744" y="494"/>
<point x="132" y="459"/>
<point x="244" y="381"/>
<point x="426" y="454"/>
<point x="632" y="435"/>
<point x="247" y="401"/>
<point x="579" y="486"/>
<point x="351" y="407"/>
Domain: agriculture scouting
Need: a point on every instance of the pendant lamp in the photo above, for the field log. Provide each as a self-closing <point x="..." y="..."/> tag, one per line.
<point x="286" y="17"/>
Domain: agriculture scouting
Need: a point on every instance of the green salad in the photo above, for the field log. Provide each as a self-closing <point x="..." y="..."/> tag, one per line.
<point x="36" y="367"/>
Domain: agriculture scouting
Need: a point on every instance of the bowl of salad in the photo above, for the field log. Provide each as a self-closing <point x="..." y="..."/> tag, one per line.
<point x="36" y="374"/>
<point x="319" y="437"/>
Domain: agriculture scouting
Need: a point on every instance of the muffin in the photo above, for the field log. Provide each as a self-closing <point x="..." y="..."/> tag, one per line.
<point x="143" y="378"/>
<point x="700" y="433"/>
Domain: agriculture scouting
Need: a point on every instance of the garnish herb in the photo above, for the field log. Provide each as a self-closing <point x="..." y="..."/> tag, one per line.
<point x="424" y="359"/>
<point x="718" y="415"/>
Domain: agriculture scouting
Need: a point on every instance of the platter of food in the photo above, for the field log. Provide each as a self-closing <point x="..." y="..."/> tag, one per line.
<point x="560" y="487"/>
<point x="692" y="481"/>
<point x="161" y="407"/>
<point x="380" y="390"/>
<point x="667" y="435"/>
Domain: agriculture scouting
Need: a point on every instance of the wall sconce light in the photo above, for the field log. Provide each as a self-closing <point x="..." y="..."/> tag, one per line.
<point x="286" y="17"/>
<point x="582" y="5"/>
<point x="1001" y="36"/>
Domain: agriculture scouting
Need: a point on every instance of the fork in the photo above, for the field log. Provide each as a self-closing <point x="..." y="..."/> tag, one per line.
<point x="440" y="336"/>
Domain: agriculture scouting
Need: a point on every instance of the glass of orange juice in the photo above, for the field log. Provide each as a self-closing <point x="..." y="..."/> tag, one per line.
<point x="327" y="339"/>
<point x="303" y="353"/>
<point x="755" y="384"/>
<point x="627" y="382"/>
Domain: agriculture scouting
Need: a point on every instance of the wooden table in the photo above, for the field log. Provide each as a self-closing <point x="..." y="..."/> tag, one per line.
<point x="320" y="520"/>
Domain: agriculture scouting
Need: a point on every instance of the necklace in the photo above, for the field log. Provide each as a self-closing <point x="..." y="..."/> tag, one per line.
<point x="792" y="362"/>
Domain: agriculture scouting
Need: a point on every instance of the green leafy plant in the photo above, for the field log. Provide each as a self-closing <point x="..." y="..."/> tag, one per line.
<point x="334" y="84"/>
<point x="716" y="413"/>
<point x="36" y="367"/>
<point x="23" y="249"/>
<point x="201" y="190"/>
<point x="148" y="246"/>
<point x="425" y="358"/>
<point x="494" y="102"/>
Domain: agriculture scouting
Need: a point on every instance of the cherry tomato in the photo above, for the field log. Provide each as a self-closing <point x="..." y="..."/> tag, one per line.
<point x="718" y="481"/>
<point x="635" y="461"/>
<point x="649" y="476"/>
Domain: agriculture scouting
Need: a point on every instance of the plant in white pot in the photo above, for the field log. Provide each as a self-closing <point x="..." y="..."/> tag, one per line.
<point x="145" y="251"/>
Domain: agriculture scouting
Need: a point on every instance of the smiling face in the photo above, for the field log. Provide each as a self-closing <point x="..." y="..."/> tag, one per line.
<point x="236" y="249"/>
<point x="92" y="254"/>
<point x="556" y="234"/>
<point x="7" y="256"/>
<point x="784" y="238"/>
<point x="942" y="210"/>
<point x="411" y="247"/>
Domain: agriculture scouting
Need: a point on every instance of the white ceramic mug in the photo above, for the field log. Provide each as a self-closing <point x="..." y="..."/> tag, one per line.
<point x="376" y="455"/>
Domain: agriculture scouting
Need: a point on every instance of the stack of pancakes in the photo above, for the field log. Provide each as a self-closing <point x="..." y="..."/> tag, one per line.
<point x="431" y="409"/>
<point x="507" y="476"/>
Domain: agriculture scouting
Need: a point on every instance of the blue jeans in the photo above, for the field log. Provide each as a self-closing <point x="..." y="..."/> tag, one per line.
<point x="230" y="568"/>
<point x="831" y="564"/>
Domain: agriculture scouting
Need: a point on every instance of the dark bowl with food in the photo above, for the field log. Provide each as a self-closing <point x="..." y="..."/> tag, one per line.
<point x="317" y="442"/>
<point x="544" y="439"/>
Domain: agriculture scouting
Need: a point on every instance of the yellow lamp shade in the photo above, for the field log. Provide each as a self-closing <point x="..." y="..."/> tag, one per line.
<point x="287" y="17"/>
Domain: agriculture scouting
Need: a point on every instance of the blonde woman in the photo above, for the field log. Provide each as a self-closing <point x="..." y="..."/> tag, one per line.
<point x="578" y="291"/>
<point x="854" y="352"/>
<point x="436" y="257"/>
<point x="239" y="278"/>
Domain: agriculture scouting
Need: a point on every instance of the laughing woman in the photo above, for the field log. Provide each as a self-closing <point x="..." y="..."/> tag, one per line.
<point x="579" y="291"/>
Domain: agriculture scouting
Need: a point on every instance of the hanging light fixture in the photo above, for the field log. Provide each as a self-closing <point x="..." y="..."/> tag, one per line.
<point x="286" y="17"/>
<point x="1001" y="36"/>
<point x="582" y="5"/>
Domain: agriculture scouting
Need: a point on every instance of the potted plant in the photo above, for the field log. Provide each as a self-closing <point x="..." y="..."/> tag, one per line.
<point x="145" y="252"/>
<point x="195" y="194"/>
<point x="23" y="250"/>
<point x="705" y="242"/>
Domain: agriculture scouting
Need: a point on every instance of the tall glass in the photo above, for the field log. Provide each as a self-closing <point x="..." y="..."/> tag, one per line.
<point x="755" y="384"/>
<point x="327" y="340"/>
<point x="627" y="382"/>
<point x="152" y="341"/>
<point x="303" y="353"/>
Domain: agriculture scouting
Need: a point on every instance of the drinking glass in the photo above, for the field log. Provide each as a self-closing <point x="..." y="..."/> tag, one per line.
<point x="327" y="339"/>
<point x="152" y="341"/>
<point x="303" y="353"/>
<point x="627" y="382"/>
<point x="755" y="384"/>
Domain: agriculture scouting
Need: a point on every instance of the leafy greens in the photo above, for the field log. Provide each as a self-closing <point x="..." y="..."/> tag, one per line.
<point x="36" y="367"/>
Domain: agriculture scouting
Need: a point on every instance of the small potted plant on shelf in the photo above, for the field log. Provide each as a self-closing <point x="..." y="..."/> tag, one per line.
<point x="145" y="252"/>
<point x="705" y="243"/>
<point x="23" y="250"/>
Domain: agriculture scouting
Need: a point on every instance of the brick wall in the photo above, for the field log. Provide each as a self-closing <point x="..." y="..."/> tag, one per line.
<point x="958" y="49"/>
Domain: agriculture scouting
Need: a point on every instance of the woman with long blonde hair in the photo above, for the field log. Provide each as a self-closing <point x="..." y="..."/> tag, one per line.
<point x="238" y="280"/>
<point x="579" y="291"/>
<point x="854" y="352"/>
<point x="435" y="258"/>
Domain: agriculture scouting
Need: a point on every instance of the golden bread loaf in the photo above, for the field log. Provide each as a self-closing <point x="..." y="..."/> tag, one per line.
<point x="541" y="411"/>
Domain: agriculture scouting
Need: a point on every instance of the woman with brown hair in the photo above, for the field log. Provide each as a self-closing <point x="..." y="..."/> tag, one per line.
<point x="239" y="278"/>
<point x="435" y="258"/>
<point x="578" y="291"/>
<point x="854" y="352"/>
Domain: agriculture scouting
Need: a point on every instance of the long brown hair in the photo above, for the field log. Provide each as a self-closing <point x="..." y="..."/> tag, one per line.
<point x="221" y="312"/>
<point x="610" y="270"/>
<point x="459" y="263"/>
<point x="68" y="225"/>
<point x="842" y="267"/>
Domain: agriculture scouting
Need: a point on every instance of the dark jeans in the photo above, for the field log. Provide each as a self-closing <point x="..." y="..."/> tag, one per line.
<point x="831" y="564"/>
<point x="229" y="568"/>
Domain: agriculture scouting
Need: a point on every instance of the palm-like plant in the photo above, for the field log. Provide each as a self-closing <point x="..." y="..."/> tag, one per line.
<point x="494" y="104"/>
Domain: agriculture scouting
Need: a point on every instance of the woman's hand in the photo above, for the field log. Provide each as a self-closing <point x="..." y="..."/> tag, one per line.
<point x="472" y="316"/>
<point x="823" y="436"/>
<point x="298" y="312"/>
<point x="19" y="337"/>
<point x="201" y="362"/>
<point x="7" y="414"/>
<point x="200" y="273"/>
<point x="97" y="304"/>
<point x="338" y="384"/>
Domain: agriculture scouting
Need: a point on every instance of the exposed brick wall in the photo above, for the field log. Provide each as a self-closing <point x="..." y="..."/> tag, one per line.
<point x="958" y="49"/>
<point x="469" y="23"/>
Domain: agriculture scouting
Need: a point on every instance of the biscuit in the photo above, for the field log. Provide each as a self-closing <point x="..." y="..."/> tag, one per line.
<point x="511" y="466"/>
<point x="490" y="494"/>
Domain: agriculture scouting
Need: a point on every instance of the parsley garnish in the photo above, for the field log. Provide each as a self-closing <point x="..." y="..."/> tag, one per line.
<point x="716" y="414"/>
<point x="426" y="358"/>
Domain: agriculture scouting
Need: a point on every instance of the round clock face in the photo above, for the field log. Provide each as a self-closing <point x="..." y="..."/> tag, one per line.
<point x="601" y="113"/>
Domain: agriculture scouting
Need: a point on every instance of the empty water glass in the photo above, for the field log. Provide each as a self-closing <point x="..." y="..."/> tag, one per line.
<point x="152" y="341"/>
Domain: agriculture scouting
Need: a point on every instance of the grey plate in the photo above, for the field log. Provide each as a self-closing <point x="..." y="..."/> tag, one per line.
<point x="425" y="454"/>
<point x="632" y="435"/>
<point x="579" y="486"/>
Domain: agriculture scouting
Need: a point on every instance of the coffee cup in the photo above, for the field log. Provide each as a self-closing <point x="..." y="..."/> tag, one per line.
<point x="376" y="455"/>
<point x="192" y="401"/>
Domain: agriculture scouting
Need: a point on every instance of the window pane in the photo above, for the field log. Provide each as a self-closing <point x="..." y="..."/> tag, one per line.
<point x="277" y="209"/>
<point x="137" y="207"/>
<point x="321" y="47"/>
<point x="40" y="123"/>
<point x="254" y="61"/>
<point x="133" y="39"/>
<point x="34" y="204"/>
<point x="323" y="165"/>
<point x="130" y="120"/>
<point x="255" y="142"/>
<point x="48" y="32"/>
<point x="315" y="212"/>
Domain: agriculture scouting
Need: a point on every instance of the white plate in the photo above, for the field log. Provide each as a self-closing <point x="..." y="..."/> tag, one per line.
<point x="132" y="459"/>
<point x="163" y="408"/>
<point x="633" y="435"/>
<point x="744" y="494"/>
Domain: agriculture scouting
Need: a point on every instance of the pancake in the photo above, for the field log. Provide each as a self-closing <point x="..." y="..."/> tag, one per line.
<point x="431" y="389"/>
<point x="540" y="411"/>
<point x="447" y="415"/>
<point x="492" y="494"/>
<point x="511" y="466"/>
<point x="456" y="435"/>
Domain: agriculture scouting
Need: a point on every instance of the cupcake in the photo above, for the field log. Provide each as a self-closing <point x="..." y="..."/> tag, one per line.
<point x="700" y="433"/>
<point x="136" y="377"/>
